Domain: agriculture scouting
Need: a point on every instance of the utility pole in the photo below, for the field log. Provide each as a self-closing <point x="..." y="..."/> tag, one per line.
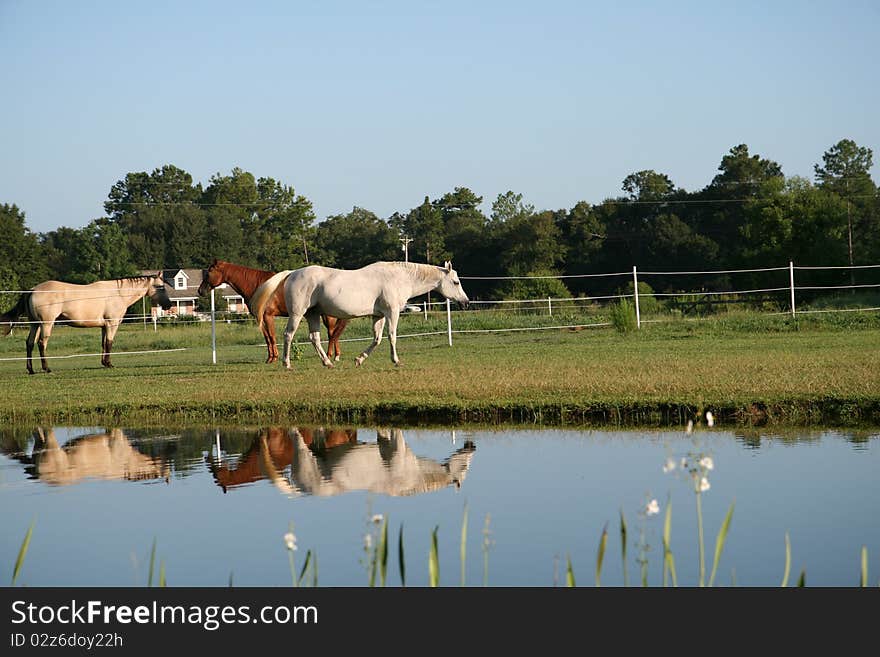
<point x="404" y="241"/>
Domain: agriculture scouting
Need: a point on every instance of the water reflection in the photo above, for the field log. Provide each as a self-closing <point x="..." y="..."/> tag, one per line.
<point x="297" y="461"/>
<point x="93" y="456"/>
<point x="319" y="461"/>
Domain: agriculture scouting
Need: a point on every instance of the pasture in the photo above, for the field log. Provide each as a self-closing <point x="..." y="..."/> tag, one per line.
<point x="748" y="368"/>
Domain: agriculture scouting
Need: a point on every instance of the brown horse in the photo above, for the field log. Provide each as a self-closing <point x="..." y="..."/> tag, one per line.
<point x="99" y="304"/>
<point x="245" y="281"/>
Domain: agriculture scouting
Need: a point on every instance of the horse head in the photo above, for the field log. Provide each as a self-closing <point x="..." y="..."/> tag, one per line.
<point x="450" y="286"/>
<point x="211" y="278"/>
<point x="157" y="292"/>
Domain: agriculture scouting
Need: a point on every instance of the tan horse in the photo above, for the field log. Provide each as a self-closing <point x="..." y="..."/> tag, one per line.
<point x="99" y="304"/>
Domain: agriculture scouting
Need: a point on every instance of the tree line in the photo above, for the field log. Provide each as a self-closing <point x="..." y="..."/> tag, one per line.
<point x="749" y="216"/>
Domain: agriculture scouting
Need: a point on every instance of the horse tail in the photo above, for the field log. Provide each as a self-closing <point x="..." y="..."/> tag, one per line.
<point x="8" y="319"/>
<point x="262" y="294"/>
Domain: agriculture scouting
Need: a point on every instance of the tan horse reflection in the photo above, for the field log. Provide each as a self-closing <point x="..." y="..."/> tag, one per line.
<point x="96" y="456"/>
<point x="332" y="462"/>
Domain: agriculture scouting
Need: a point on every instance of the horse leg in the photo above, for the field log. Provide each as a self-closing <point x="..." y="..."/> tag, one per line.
<point x="269" y="335"/>
<point x="314" y="320"/>
<point x="292" y="324"/>
<point x="43" y="343"/>
<point x="378" y="325"/>
<point x="108" y="332"/>
<point x="338" y="328"/>
<point x="31" y="338"/>
<point x="330" y="324"/>
<point x="393" y="316"/>
<point x="105" y="352"/>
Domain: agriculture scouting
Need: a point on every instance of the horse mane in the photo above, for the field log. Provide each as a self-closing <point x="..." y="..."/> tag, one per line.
<point x="131" y="279"/>
<point x="419" y="271"/>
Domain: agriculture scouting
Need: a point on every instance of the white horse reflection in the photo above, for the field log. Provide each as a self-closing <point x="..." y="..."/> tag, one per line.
<point x="96" y="456"/>
<point x="388" y="466"/>
<point x="319" y="461"/>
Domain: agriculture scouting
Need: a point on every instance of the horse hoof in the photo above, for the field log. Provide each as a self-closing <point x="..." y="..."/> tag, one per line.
<point x="47" y="371"/>
<point x="336" y="359"/>
<point x="358" y="361"/>
<point x="30" y="371"/>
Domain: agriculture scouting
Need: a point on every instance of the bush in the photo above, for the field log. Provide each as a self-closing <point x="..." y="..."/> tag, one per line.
<point x="534" y="288"/>
<point x="623" y="316"/>
<point x="647" y="302"/>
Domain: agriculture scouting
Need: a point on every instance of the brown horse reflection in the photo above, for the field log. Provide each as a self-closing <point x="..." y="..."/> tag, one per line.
<point x="96" y="456"/>
<point x="330" y="462"/>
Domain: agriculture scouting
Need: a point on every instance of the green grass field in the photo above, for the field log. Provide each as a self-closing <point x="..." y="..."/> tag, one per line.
<point x="747" y="368"/>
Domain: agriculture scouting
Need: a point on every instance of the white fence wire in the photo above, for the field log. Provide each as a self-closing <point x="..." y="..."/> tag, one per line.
<point x="545" y="305"/>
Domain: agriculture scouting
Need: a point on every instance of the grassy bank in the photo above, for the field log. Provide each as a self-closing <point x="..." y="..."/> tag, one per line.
<point x="747" y="369"/>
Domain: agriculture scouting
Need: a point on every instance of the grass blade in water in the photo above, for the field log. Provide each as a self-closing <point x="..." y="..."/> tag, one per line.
<point x="787" y="561"/>
<point x="863" y="579"/>
<point x="719" y="542"/>
<point x="383" y="552"/>
<point x="802" y="580"/>
<point x="668" y="559"/>
<point x="152" y="563"/>
<point x="305" y="568"/>
<point x="623" y="548"/>
<point x="600" y="556"/>
<point x="434" y="561"/>
<point x="400" y="561"/>
<point x="22" y="551"/>
<point x="569" y="573"/>
<point x="162" y="581"/>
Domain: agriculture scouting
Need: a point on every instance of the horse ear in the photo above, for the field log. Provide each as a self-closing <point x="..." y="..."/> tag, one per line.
<point x="448" y="265"/>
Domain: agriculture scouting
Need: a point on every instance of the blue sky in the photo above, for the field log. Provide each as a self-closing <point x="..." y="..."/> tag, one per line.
<point x="378" y="104"/>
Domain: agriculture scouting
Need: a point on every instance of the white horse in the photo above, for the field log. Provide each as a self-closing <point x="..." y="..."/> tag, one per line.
<point x="378" y="290"/>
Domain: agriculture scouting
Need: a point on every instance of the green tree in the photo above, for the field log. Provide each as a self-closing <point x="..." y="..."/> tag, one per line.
<point x="285" y="227"/>
<point x="158" y="213"/>
<point x="356" y="239"/>
<point x="424" y="224"/>
<point x="20" y="252"/>
<point x="846" y="172"/>
<point x="742" y="178"/>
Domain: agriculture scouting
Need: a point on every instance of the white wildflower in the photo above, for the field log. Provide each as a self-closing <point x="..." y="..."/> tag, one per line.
<point x="368" y="541"/>
<point x="290" y="541"/>
<point x="377" y="518"/>
<point x="704" y="485"/>
<point x="690" y="427"/>
<point x="669" y="466"/>
<point x="684" y="463"/>
<point x="707" y="463"/>
<point x="710" y="419"/>
<point x="653" y="508"/>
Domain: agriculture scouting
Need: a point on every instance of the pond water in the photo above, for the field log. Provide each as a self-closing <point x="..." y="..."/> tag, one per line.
<point x="219" y="502"/>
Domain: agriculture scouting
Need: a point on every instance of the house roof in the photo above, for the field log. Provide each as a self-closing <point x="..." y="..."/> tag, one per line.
<point x="193" y="278"/>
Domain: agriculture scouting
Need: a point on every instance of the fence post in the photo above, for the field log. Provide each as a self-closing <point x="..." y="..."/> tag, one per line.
<point x="549" y="307"/>
<point x="448" y="322"/>
<point x="791" y="278"/>
<point x="426" y="311"/>
<point x="213" y="331"/>
<point x="636" y="293"/>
